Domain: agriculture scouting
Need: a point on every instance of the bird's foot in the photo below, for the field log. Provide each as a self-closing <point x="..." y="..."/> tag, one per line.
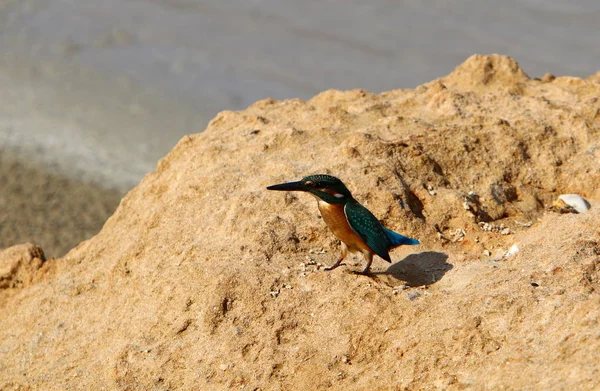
<point x="338" y="263"/>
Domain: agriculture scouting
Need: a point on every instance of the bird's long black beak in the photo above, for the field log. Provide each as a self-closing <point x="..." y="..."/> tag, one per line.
<point x="290" y="186"/>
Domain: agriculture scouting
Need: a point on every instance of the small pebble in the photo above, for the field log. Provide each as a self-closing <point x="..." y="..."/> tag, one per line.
<point x="412" y="295"/>
<point x="399" y="288"/>
<point x="512" y="250"/>
<point x="527" y="224"/>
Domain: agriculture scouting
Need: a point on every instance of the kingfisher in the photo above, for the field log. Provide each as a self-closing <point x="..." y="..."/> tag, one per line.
<point x="353" y="224"/>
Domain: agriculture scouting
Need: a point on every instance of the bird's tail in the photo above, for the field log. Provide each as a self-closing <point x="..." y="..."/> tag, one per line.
<point x="398" y="240"/>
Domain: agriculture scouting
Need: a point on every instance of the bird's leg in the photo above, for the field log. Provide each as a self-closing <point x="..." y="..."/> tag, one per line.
<point x="369" y="258"/>
<point x="339" y="261"/>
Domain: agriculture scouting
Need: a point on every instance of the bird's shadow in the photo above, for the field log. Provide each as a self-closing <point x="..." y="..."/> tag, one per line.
<point x="419" y="269"/>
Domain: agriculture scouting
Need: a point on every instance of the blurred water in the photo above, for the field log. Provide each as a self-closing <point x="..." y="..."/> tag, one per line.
<point x="130" y="77"/>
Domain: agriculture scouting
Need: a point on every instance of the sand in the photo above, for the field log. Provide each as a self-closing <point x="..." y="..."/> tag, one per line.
<point x="52" y="211"/>
<point x="202" y="279"/>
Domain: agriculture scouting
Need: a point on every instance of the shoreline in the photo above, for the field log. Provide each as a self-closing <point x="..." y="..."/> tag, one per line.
<point x="80" y="125"/>
<point x="43" y="208"/>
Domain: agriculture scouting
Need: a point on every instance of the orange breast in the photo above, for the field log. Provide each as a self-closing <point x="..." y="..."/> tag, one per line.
<point x="336" y="221"/>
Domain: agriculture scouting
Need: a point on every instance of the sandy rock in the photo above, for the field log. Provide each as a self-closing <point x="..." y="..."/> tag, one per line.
<point x="19" y="264"/>
<point x="177" y="290"/>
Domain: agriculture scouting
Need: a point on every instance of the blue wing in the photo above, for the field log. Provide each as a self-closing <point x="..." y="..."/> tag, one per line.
<point x="367" y="226"/>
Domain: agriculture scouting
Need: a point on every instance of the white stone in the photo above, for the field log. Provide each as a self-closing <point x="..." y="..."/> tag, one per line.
<point x="575" y="201"/>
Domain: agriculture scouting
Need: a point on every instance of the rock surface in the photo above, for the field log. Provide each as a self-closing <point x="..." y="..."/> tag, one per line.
<point x="204" y="280"/>
<point x="19" y="264"/>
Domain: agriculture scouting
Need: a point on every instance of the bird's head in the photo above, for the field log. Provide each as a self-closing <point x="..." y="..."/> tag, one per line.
<point x="326" y="187"/>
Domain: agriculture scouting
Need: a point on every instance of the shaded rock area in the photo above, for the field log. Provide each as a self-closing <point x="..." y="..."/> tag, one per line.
<point x="202" y="279"/>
